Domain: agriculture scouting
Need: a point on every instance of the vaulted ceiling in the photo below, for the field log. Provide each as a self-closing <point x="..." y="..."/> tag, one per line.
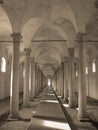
<point x="48" y="27"/>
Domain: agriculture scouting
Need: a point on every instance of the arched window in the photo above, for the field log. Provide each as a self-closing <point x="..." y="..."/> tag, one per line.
<point x="86" y="70"/>
<point x="23" y="72"/>
<point x="3" y="64"/>
<point x="76" y="73"/>
<point x="94" y="66"/>
<point x="49" y="82"/>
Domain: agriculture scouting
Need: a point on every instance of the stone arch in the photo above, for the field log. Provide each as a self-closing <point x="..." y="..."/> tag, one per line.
<point x="30" y="28"/>
<point x="5" y="26"/>
<point x="92" y="27"/>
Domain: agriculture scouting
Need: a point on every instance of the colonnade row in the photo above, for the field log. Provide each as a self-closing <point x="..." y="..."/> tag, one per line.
<point x="64" y="79"/>
<point x="34" y="79"/>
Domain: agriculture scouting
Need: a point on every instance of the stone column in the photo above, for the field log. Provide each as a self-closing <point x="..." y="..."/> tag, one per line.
<point x="89" y="75"/>
<point x="56" y="80"/>
<point x="14" y="99"/>
<point x="62" y="79"/>
<point x="36" y="78"/>
<point x="76" y="75"/>
<point x="82" y="78"/>
<point x="71" y="77"/>
<point x="59" y="82"/>
<point x="21" y="77"/>
<point x="26" y="78"/>
<point x="58" y="92"/>
<point x="32" y="74"/>
<point x="41" y="80"/>
<point x="44" y="80"/>
<point x="66" y="79"/>
<point x="96" y="75"/>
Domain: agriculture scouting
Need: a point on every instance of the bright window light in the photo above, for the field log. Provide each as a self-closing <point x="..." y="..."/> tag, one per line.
<point x="86" y="70"/>
<point x="49" y="82"/>
<point x="94" y="67"/>
<point x="76" y="73"/>
<point x="50" y="94"/>
<point x="23" y="72"/>
<point x="77" y="109"/>
<point x="50" y="101"/>
<point x="3" y="65"/>
<point x="66" y="105"/>
<point x="57" y="125"/>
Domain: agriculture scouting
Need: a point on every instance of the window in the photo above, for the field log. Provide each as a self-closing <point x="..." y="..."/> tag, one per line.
<point x="76" y="73"/>
<point x="86" y="70"/>
<point x="94" y="66"/>
<point x="49" y="82"/>
<point x="3" y="64"/>
<point x="23" y="72"/>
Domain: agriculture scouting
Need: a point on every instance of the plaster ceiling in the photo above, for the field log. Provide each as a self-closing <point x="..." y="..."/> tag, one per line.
<point x="48" y="20"/>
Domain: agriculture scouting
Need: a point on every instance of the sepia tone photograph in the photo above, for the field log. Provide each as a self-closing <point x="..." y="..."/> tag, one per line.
<point x="48" y="64"/>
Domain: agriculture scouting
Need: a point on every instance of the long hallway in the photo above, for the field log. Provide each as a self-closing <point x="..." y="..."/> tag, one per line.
<point x="48" y="43"/>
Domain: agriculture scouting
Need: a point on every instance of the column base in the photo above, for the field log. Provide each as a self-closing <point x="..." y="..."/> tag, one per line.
<point x="62" y="97"/>
<point x="65" y="100"/>
<point x="14" y="117"/>
<point x="32" y="100"/>
<point x="71" y="106"/>
<point x="18" y="119"/>
<point x="83" y="118"/>
<point x="25" y="104"/>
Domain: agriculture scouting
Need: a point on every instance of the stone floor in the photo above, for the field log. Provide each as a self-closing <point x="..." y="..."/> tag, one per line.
<point x="49" y="114"/>
<point x="25" y="113"/>
<point x="71" y="115"/>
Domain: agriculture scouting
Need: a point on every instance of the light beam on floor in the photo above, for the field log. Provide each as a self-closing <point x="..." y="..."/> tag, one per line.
<point x="50" y="101"/>
<point x="66" y="105"/>
<point x="57" y="125"/>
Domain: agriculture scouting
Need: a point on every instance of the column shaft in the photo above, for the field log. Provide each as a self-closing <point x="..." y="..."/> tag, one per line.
<point x="62" y="79"/>
<point x="33" y="82"/>
<point x="71" y="77"/>
<point x="26" y="78"/>
<point x="66" y="80"/>
<point x="14" y="102"/>
<point x="82" y="79"/>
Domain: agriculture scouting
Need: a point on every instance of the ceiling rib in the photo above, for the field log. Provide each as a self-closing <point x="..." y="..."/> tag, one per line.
<point x="61" y="40"/>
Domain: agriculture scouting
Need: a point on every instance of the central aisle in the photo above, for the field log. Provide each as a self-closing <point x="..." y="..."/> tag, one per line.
<point x="49" y="115"/>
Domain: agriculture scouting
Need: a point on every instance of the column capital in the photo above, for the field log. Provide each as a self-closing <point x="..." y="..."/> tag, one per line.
<point x="81" y="37"/>
<point x="27" y="51"/>
<point x="66" y="59"/>
<point x="33" y="60"/>
<point x="96" y="4"/>
<point x="71" y="51"/>
<point x="16" y="37"/>
<point x="62" y="59"/>
<point x="62" y="63"/>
